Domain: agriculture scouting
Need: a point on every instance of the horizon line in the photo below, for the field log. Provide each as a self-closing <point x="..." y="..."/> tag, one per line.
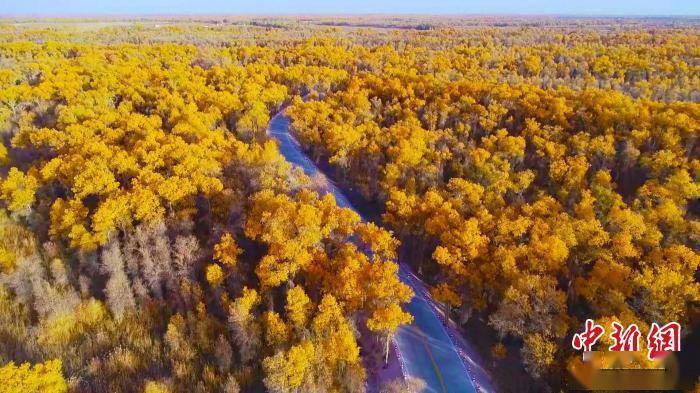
<point x="333" y="14"/>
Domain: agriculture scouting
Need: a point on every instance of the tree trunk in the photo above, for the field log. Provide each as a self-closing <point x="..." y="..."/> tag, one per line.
<point x="386" y="350"/>
<point x="270" y="301"/>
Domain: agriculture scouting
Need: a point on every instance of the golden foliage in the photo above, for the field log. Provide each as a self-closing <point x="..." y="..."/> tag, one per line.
<point x="41" y="378"/>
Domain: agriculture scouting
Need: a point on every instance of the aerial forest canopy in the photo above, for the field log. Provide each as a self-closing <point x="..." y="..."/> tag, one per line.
<point x="536" y="179"/>
<point x="153" y="238"/>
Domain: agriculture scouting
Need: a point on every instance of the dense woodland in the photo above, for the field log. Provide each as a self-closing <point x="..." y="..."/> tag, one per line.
<point x="534" y="178"/>
<point x="152" y="238"/>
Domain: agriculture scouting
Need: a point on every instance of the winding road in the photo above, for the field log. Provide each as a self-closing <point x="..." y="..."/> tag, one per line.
<point x="428" y="349"/>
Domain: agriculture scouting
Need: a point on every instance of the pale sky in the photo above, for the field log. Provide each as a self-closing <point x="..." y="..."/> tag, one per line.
<point x="231" y="7"/>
